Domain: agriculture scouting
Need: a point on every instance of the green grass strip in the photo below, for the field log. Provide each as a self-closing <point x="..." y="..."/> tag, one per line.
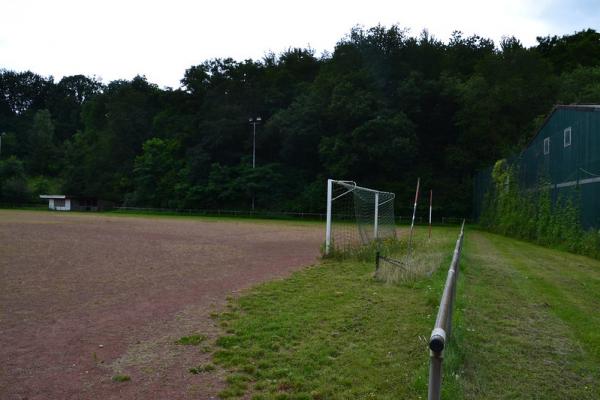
<point x="333" y="332"/>
<point x="529" y="327"/>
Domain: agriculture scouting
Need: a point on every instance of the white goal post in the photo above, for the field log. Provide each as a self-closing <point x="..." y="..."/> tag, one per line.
<point x="357" y="215"/>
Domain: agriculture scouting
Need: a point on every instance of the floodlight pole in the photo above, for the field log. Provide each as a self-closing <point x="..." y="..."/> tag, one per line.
<point x="253" y="122"/>
<point x="328" y="225"/>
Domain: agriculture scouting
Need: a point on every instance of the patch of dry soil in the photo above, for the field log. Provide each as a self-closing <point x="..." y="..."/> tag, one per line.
<point x="84" y="297"/>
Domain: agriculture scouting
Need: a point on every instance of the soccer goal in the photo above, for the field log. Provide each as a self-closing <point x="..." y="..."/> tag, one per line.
<point x="357" y="215"/>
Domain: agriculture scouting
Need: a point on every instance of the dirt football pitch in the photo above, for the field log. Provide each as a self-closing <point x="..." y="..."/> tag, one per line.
<point x="86" y="297"/>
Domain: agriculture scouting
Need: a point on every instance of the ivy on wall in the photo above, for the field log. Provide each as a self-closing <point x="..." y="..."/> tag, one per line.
<point x="539" y="215"/>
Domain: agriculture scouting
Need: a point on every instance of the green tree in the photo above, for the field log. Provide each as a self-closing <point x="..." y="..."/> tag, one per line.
<point x="43" y="157"/>
<point x="156" y="174"/>
<point x="13" y="181"/>
<point x="582" y="85"/>
<point x="571" y="51"/>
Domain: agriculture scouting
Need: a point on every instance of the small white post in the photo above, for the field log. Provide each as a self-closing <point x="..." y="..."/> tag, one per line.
<point x="376" y="220"/>
<point x="328" y="225"/>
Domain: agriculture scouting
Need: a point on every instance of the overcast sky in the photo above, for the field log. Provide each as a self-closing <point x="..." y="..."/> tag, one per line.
<point x="118" y="39"/>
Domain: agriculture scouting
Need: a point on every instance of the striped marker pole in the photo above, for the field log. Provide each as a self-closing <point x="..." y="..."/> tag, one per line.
<point x="412" y="224"/>
<point x="430" y="202"/>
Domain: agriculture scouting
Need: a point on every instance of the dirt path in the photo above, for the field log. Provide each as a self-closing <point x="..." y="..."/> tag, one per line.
<point x="83" y="297"/>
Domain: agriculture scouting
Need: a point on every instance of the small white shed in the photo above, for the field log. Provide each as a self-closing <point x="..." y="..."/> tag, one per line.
<point x="59" y="202"/>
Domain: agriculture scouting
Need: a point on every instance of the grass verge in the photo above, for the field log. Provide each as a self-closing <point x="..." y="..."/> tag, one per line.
<point x="525" y="327"/>
<point x="333" y="332"/>
<point x="529" y="322"/>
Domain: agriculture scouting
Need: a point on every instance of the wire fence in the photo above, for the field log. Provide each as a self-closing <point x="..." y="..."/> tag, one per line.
<point x="443" y="324"/>
<point x="281" y="214"/>
<point x="399" y="219"/>
<point x="392" y="270"/>
<point x="226" y="212"/>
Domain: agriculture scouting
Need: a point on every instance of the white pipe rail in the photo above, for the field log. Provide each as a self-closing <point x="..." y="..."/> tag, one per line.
<point x="443" y="323"/>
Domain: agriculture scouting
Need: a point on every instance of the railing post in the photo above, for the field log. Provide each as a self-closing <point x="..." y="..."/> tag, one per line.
<point x="435" y="376"/>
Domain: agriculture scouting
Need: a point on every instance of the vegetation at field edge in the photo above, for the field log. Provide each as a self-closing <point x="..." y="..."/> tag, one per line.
<point x="332" y="331"/>
<point x="532" y="214"/>
<point x="525" y="327"/>
<point x="264" y="217"/>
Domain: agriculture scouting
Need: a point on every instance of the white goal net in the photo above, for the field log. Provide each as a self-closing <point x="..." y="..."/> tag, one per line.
<point x="357" y="215"/>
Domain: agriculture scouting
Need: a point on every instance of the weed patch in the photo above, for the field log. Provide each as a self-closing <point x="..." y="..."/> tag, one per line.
<point x="202" y="368"/>
<point x="121" y="378"/>
<point x="192" y="340"/>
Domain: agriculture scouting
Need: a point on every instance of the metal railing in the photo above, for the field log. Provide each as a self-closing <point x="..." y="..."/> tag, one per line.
<point x="443" y="323"/>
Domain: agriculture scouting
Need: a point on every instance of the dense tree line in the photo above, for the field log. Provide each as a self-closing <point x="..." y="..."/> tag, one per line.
<point x="383" y="109"/>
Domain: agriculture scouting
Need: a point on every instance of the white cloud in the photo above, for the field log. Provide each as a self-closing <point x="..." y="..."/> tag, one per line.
<point x="119" y="39"/>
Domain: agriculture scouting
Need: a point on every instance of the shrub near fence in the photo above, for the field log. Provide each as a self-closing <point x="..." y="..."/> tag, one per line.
<point x="536" y="214"/>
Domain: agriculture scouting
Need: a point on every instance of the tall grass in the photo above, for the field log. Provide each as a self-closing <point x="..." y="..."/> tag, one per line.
<point x="334" y="332"/>
<point x="406" y="266"/>
<point x="423" y="259"/>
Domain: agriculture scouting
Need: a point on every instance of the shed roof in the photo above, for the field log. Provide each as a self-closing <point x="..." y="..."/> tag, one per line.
<point x="53" y="196"/>
<point x="578" y="107"/>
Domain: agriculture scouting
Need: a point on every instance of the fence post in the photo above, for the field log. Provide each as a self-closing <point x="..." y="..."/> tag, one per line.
<point x="376" y="218"/>
<point x="377" y="261"/>
<point x="435" y="375"/>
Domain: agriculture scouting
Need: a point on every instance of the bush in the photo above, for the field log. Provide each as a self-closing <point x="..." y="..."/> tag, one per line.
<point x="533" y="214"/>
<point x="13" y="182"/>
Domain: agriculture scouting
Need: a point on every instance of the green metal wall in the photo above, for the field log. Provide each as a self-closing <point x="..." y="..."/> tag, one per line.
<point x="572" y="170"/>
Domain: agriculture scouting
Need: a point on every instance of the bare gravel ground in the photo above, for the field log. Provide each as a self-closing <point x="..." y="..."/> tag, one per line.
<point x="84" y="297"/>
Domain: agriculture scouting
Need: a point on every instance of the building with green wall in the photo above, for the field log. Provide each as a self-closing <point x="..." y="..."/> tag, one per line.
<point x="565" y="153"/>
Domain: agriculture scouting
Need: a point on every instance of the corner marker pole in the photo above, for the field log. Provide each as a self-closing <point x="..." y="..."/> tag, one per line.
<point x="430" y="202"/>
<point x="412" y="224"/>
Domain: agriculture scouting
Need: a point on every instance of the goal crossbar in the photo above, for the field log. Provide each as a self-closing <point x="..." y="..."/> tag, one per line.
<point x="353" y="186"/>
